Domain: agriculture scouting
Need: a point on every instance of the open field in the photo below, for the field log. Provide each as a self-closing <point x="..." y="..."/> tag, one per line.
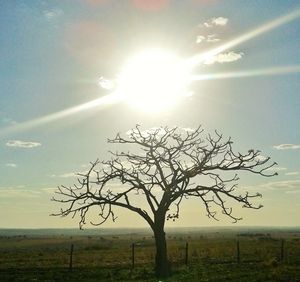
<point x="212" y="256"/>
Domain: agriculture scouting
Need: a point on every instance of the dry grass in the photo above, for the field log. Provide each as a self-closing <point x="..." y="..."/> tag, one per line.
<point x="111" y="256"/>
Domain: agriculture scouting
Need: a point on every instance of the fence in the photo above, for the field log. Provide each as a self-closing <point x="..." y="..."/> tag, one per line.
<point x="233" y="255"/>
<point x="116" y="252"/>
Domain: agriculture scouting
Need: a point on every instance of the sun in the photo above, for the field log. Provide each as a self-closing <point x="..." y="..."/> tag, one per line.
<point x="153" y="81"/>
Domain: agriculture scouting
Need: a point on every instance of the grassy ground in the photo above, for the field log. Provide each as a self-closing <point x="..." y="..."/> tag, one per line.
<point x="211" y="257"/>
<point x="194" y="272"/>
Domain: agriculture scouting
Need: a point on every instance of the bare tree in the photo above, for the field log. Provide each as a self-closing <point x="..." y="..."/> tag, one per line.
<point x="160" y="172"/>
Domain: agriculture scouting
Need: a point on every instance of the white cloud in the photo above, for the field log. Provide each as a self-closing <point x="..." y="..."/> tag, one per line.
<point x="260" y="158"/>
<point x="11" y="165"/>
<point x="22" y="144"/>
<point x="53" y="14"/>
<point x="292" y="173"/>
<point x="68" y="174"/>
<point x="64" y="175"/>
<point x="293" y="192"/>
<point x="276" y="168"/>
<point x="224" y="58"/>
<point x="284" y="184"/>
<point x="287" y="146"/>
<point x="200" y="39"/>
<point x="207" y="24"/>
<point x="49" y="190"/>
<point x="188" y="129"/>
<point x="219" y="21"/>
<point x="105" y="83"/>
<point x="18" y="193"/>
<point x="211" y="38"/>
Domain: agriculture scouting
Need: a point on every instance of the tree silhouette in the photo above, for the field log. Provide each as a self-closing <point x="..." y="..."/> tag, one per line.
<point x="160" y="171"/>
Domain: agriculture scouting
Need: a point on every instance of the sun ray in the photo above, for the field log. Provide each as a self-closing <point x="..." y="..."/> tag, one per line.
<point x="189" y="63"/>
<point x="195" y="60"/>
<point x="103" y="101"/>
<point x="248" y="73"/>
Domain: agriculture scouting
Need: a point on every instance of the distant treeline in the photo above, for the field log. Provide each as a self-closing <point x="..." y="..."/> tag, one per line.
<point x="239" y="231"/>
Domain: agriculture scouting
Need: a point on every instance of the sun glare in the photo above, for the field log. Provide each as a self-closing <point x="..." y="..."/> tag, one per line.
<point x="153" y="81"/>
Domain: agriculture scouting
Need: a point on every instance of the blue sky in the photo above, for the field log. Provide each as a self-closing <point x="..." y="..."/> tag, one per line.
<point x="52" y="54"/>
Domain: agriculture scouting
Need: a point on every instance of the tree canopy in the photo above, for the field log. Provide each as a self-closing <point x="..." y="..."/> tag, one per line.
<point x="165" y="166"/>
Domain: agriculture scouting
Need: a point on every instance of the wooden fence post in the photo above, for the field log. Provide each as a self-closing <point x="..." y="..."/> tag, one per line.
<point x="132" y="255"/>
<point x="186" y="253"/>
<point x="71" y="258"/>
<point x="238" y="257"/>
<point x="282" y="250"/>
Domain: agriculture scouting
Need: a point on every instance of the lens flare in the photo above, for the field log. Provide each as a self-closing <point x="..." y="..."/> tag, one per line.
<point x="174" y="77"/>
<point x="100" y="102"/>
<point x="244" y="37"/>
<point x="248" y="73"/>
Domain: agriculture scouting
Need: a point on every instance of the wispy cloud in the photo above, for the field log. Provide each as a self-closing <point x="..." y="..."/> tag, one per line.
<point x="283" y="185"/>
<point x="276" y="168"/>
<point x="211" y="38"/>
<point x="188" y="129"/>
<point x="53" y="14"/>
<point x="22" y="144"/>
<point x="219" y="21"/>
<point x="292" y="173"/>
<point x="287" y="146"/>
<point x="260" y="158"/>
<point x="49" y="190"/>
<point x="200" y="39"/>
<point x="12" y="192"/>
<point x="64" y="175"/>
<point x="211" y="23"/>
<point x="11" y="165"/>
<point x="68" y="174"/>
<point x="224" y="58"/>
<point x="209" y="31"/>
<point x="293" y="192"/>
<point x="106" y="83"/>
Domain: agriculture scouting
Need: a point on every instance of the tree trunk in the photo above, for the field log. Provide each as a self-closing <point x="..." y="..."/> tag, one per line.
<point x="162" y="264"/>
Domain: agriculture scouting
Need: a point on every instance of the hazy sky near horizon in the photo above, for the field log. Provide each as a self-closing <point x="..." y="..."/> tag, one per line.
<point x="53" y="53"/>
